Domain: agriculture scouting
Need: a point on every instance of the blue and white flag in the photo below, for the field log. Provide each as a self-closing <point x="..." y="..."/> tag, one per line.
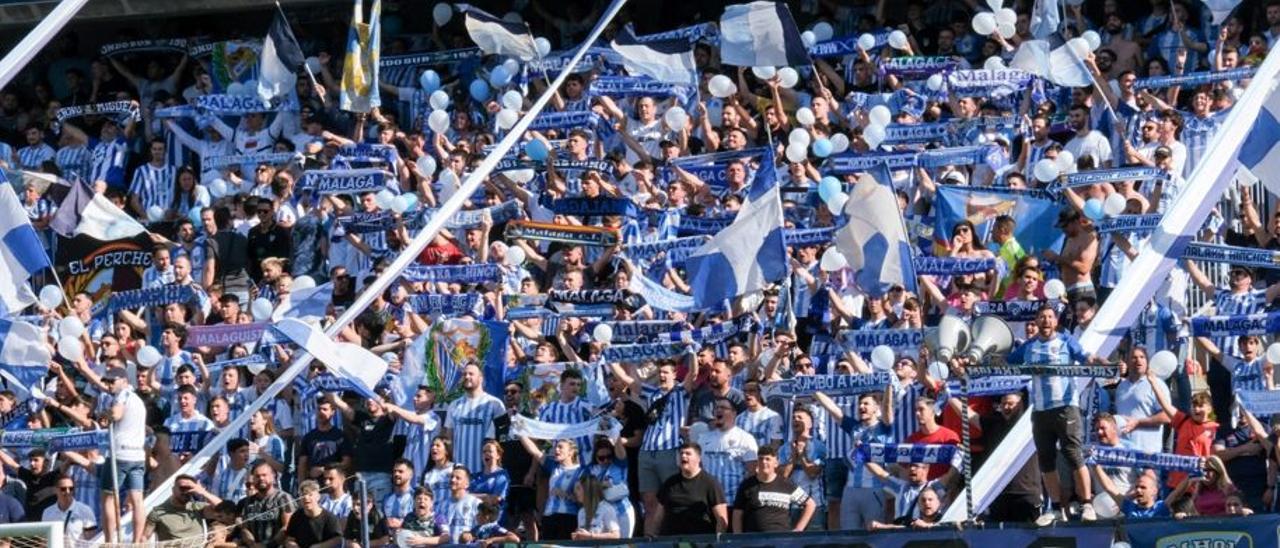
<point x="1035" y="212"/>
<point x="24" y="356"/>
<point x="747" y="255"/>
<point x="761" y="34"/>
<point x="1060" y="65"/>
<point x="359" y="88"/>
<point x="280" y="62"/>
<point x="347" y="360"/>
<point x="21" y="253"/>
<point x="669" y="60"/>
<point x="1046" y="17"/>
<point x="874" y="240"/>
<point x="1260" y="153"/>
<point x="496" y="36"/>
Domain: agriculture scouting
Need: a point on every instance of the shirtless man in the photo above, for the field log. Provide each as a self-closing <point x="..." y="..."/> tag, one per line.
<point x="1078" y="255"/>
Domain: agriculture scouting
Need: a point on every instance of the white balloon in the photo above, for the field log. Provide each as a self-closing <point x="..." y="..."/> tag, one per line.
<point x="873" y="135"/>
<point x="1006" y="16"/>
<point x="800" y="136"/>
<point x="1113" y="205"/>
<point x="520" y="175"/>
<point x="993" y="63"/>
<point x="882" y="358"/>
<point x="439" y="100"/>
<point x="984" y="23"/>
<point x="1273" y="354"/>
<point x="1006" y="30"/>
<point x="148" y="356"/>
<point x="427" y="165"/>
<point x="898" y="40"/>
<point x="1079" y="46"/>
<point x="1045" y="170"/>
<point x="833" y="260"/>
<point x="515" y="256"/>
<point x="720" y="86"/>
<point x="797" y="152"/>
<point x="1054" y="289"/>
<point x="788" y="77"/>
<point x="506" y="118"/>
<point x="512" y="100"/>
<point x="442" y="13"/>
<point x="261" y="309"/>
<point x="836" y="204"/>
<point x="880" y="115"/>
<point x="303" y="282"/>
<point x="823" y="31"/>
<point x="939" y="370"/>
<point x="400" y="204"/>
<point x="70" y="326"/>
<point x="235" y="88"/>
<point x="542" y="45"/>
<point x="808" y="38"/>
<point x="764" y="73"/>
<point x="438" y="121"/>
<point x="1091" y="37"/>
<point x="995" y="5"/>
<point x="50" y="296"/>
<point x="676" y="118"/>
<point x="1105" y="505"/>
<point x="839" y="143"/>
<point x="1163" y="364"/>
<point x="384" y="198"/>
<point x="934" y="83"/>
<point x="71" y="348"/>
<point x="1066" y="161"/>
<point x="155" y="213"/>
<point x="867" y="41"/>
<point x="602" y="333"/>
<point x="805" y="116"/>
<point x="219" y="188"/>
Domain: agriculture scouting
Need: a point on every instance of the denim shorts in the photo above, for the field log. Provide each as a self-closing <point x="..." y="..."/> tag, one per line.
<point x="835" y="473"/>
<point x="130" y="474"/>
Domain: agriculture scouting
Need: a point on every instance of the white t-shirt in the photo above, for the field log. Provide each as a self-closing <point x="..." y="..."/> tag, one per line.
<point x="131" y="431"/>
<point x="76" y="518"/>
<point x="605" y="521"/>
<point x="1092" y="144"/>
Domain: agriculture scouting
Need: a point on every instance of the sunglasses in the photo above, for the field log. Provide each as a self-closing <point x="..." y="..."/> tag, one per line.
<point x="66" y="489"/>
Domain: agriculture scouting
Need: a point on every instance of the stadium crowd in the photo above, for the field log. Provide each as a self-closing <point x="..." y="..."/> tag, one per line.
<point x="586" y="288"/>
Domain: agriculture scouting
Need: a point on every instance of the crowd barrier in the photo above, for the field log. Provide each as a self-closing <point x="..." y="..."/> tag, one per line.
<point x="1260" y="531"/>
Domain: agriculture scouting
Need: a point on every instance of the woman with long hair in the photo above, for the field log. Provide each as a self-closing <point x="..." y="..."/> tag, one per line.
<point x="440" y="466"/>
<point x="1208" y="493"/>
<point x="264" y="444"/>
<point x="490" y="485"/>
<point x="188" y="192"/>
<point x="560" y="517"/>
<point x="598" y="518"/>
<point x="609" y="468"/>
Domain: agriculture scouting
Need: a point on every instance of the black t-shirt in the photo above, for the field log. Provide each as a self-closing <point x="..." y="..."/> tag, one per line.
<point x="41" y="490"/>
<point x="516" y="460"/>
<point x="688" y="503"/>
<point x="376" y="524"/>
<point x="373" y="441"/>
<point x="702" y="405"/>
<point x="307" y="531"/>
<point x="767" y="506"/>
<point x="325" y="447"/>
<point x="633" y="424"/>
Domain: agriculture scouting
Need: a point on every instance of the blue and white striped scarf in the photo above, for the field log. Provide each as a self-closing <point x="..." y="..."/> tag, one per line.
<point x="463" y="274"/>
<point x="344" y="181"/>
<point x="448" y="305"/>
<point x="1195" y="79"/>
<point x="1129" y="458"/>
<point x="1236" y="256"/>
<point x="1128" y="223"/>
<point x="632" y="353"/>
<point x="831" y="385"/>
<point x="1096" y="176"/>
<point x="950" y="266"/>
<point x="1266" y="323"/>
<point x="541" y="430"/>
<point x="273" y="158"/>
<point x="863" y="341"/>
<point x="906" y="453"/>
<point x="142" y="298"/>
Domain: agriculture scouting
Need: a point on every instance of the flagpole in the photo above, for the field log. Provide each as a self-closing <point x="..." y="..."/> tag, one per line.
<point x="304" y="65"/>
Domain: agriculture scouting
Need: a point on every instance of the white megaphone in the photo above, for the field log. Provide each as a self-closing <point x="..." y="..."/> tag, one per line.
<point x="953" y="337"/>
<point x="991" y="335"/>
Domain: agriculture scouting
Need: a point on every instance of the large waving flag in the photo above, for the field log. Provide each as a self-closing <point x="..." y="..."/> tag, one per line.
<point x="280" y="61"/>
<point x="747" y="255"/>
<point x="347" y="360"/>
<point x="874" y="240"/>
<point x="24" y="356"/>
<point x="21" y="254"/>
<point x="360" y="72"/>
<point x="495" y="36"/>
<point x="1034" y="212"/>
<point x="669" y="60"/>
<point x="102" y="220"/>
<point x="761" y="34"/>
<point x="1060" y="65"/>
